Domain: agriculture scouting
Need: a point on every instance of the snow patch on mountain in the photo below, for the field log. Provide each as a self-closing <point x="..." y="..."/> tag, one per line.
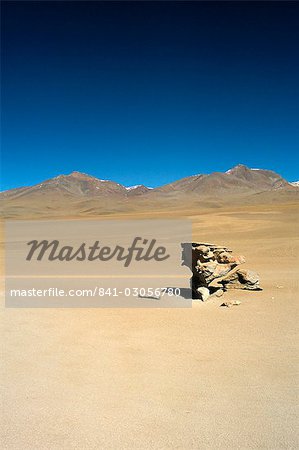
<point x="229" y="171"/>
<point x="129" y="188"/>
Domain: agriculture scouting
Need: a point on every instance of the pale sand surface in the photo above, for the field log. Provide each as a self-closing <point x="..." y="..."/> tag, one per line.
<point x="200" y="378"/>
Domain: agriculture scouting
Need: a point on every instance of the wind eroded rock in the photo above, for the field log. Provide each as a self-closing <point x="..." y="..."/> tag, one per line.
<point x="215" y="269"/>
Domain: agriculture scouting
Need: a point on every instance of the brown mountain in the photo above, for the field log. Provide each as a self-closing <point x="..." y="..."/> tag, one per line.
<point x="236" y="181"/>
<point x="82" y="194"/>
<point x="76" y="184"/>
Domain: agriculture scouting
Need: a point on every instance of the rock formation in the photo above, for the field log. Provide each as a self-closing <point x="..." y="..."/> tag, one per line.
<point x="215" y="269"/>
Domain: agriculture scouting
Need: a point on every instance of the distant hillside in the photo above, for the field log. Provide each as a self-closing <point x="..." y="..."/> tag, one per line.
<point x="84" y="194"/>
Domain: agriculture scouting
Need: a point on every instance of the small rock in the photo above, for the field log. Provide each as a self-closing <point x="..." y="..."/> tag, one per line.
<point x="230" y="304"/>
<point x="204" y="292"/>
<point x="219" y="293"/>
<point x="151" y="297"/>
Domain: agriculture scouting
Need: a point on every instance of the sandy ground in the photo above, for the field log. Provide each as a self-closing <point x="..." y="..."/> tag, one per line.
<point x="200" y="378"/>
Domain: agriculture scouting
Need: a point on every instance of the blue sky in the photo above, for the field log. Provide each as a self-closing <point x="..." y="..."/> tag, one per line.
<point x="148" y="92"/>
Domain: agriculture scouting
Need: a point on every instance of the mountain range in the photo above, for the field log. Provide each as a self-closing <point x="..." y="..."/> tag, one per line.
<point x="87" y="194"/>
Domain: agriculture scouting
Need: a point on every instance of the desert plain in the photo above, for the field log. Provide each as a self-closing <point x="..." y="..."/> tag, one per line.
<point x="206" y="377"/>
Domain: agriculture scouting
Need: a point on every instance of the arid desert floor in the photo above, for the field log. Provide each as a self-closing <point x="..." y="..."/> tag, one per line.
<point x="201" y="378"/>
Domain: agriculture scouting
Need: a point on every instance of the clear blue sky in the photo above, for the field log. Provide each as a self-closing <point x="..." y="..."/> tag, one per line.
<point x="148" y="92"/>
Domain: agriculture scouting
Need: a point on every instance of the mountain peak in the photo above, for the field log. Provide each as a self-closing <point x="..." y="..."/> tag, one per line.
<point x="138" y="189"/>
<point x="78" y="174"/>
<point x="238" y="168"/>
